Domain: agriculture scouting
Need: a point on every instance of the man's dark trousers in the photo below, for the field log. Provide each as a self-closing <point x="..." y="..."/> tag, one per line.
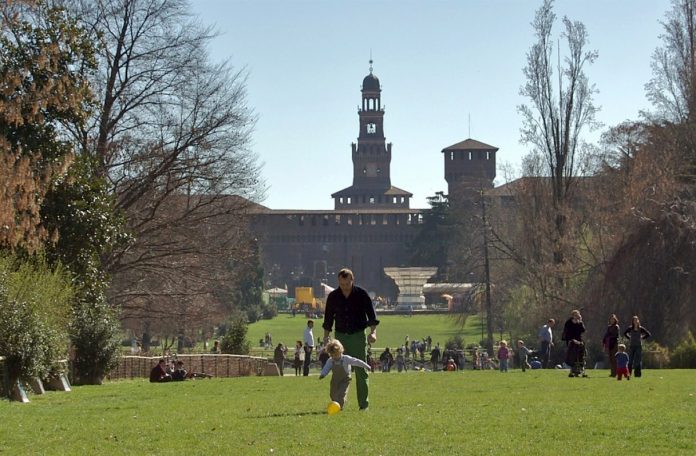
<point x="307" y="359"/>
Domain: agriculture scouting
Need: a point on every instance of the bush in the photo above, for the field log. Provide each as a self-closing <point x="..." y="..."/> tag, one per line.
<point x="684" y="355"/>
<point x="94" y="333"/>
<point x="455" y="343"/>
<point x="655" y="356"/>
<point x="34" y="304"/>
<point x="270" y="311"/>
<point x="234" y="341"/>
<point x="253" y="314"/>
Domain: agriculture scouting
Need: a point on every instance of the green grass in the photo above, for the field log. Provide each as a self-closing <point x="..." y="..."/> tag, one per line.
<point x="469" y="412"/>
<point x="391" y="331"/>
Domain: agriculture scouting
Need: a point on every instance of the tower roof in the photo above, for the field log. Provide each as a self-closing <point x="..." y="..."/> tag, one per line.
<point x="371" y="83"/>
<point x="469" y="144"/>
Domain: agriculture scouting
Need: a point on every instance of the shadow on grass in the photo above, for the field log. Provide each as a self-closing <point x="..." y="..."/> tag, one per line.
<point x="285" y="415"/>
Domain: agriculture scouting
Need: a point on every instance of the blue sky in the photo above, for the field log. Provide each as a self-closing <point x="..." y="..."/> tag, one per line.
<point x="439" y="63"/>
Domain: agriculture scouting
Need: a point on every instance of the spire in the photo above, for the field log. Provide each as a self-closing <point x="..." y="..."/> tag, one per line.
<point x="370" y="60"/>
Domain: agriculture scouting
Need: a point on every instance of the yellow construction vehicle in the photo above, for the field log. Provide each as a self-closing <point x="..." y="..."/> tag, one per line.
<point x="305" y="300"/>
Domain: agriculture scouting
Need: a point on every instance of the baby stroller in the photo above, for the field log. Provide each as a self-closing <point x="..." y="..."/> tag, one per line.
<point x="575" y="358"/>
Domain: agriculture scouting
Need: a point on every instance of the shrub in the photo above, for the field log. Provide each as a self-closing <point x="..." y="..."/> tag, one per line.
<point x="455" y="343"/>
<point x="253" y="314"/>
<point x="94" y="333"/>
<point x="684" y="355"/>
<point x="34" y="304"/>
<point x="234" y="341"/>
<point x="655" y="356"/>
<point x="270" y="311"/>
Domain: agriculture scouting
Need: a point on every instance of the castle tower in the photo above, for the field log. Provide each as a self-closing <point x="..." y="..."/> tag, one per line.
<point x="371" y="155"/>
<point x="371" y="158"/>
<point x="469" y="168"/>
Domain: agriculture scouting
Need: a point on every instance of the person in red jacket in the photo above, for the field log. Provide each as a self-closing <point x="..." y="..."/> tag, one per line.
<point x="158" y="374"/>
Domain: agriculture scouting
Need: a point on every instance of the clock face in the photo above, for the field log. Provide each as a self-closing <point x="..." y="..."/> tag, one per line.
<point x="371" y="128"/>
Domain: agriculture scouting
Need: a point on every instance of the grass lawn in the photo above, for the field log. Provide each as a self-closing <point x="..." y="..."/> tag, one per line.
<point x="468" y="412"/>
<point x="390" y="333"/>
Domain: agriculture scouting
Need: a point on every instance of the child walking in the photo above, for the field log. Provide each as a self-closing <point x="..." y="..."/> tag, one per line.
<point x="622" y="363"/>
<point x="340" y="367"/>
<point x="503" y="355"/>
<point x="523" y="352"/>
<point x="297" y="361"/>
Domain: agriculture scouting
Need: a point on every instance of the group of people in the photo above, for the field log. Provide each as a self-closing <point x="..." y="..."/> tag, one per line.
<point x="623" y="360"/>
<point x="162" y="372"/>
<point x="349" y="313"/>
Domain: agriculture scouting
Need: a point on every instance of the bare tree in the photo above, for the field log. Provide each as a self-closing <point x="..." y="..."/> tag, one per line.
<point x="672" y="89"/>
<point x="172" y="135"/>
<point x="559" y="111"/>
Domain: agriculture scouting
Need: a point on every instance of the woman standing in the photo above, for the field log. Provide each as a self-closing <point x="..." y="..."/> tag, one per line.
<point x="572" y="335"/>
<point x="635" y="334"/>
<point x="611" y="342"/>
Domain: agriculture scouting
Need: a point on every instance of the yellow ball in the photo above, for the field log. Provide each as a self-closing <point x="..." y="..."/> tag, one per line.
<point x="333" y="408"/>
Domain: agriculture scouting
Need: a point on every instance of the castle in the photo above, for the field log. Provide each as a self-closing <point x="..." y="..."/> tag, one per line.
<point x="372" y="223"/>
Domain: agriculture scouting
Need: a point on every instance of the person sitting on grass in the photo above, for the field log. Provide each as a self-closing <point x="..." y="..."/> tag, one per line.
<point x="340" y="366"/>
<point x="179" y="374"/>
<point x="158" y="374"/>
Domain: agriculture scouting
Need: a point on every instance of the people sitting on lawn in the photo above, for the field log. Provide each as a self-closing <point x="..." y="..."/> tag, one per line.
<point x="179" y="374"/>
<point x="158" y="374"/>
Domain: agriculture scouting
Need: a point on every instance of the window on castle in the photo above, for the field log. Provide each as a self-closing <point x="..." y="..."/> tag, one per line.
<point x="470" y="156"/>
<point x="385" y="220"/>
<point x="348" y="200"/>
<point x="488" y="155"/>
<point x="403" y="200"/>
<point x="372" y="200"/>
<point x="350" y="220"/>
<point x="371" y="128"/>
<point x="337" y="220"/>
<point x="325" y="220"/>
<point x="395" y="200"/>
<point x="451" y="154"/>
<point x="301" y="220"/>
<point x="364" y="171"/>
<point x="379" y="171"/>
<point x="340" y="200"/>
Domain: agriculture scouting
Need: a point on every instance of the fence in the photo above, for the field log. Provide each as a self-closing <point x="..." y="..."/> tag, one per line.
<point x="216" y="365"/>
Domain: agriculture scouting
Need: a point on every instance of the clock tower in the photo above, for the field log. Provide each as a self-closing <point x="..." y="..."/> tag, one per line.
<point x="371" y="157"/>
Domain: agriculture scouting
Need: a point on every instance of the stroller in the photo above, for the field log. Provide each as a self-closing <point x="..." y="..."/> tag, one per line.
<point x="575" y="358"/>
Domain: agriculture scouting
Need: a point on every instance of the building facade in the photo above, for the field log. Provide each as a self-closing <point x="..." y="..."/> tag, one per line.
<point x="371" y="225"/>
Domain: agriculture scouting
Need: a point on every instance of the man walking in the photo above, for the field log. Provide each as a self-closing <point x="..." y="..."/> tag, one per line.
<point x="546" y="342"/>
<point x="308" y="346"/>
<point x="350" y="308"/>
